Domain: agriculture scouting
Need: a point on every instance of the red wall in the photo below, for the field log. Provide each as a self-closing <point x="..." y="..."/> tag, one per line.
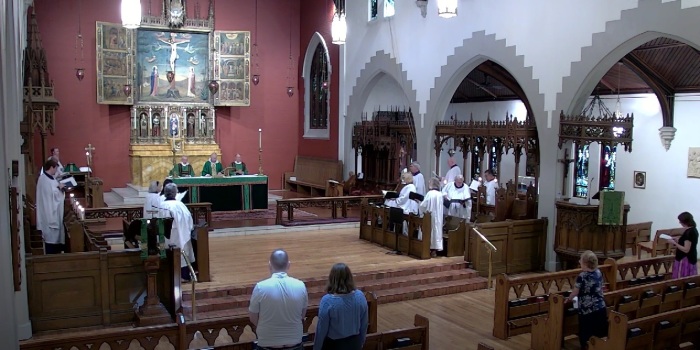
<point x="316" y="16"/>
<point x="80" y="120"/>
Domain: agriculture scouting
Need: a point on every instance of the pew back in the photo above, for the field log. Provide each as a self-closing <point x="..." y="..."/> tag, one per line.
<point x="311" y="175"/>
<point x="659" y="246"/>
<point x="637" y="233"/>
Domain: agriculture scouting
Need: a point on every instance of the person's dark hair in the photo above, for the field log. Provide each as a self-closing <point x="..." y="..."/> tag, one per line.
<point x="490" y="172"/>
<point x="340" y="280"/>
<point x="165" y="183"/>
<point x="51" y="163"/>
<point x="686" y="219"/>
<point x="279" y="260"/>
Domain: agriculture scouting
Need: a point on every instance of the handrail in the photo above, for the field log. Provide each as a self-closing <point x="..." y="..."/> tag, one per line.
<point x="193" y="280"/>
<point x="489" y="249"/>
<point x="485" y="239"/>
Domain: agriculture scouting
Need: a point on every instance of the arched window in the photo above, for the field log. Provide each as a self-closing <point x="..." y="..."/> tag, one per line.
<point x="316" y="74"/>
<point x="581" y="179"/>
<point x="373" y="9"/>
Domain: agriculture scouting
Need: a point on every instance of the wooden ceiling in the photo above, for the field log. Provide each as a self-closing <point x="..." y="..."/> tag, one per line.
<point x="672" y="66"/>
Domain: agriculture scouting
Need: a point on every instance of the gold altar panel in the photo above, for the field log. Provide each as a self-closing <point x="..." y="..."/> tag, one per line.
<point x="154" y="162"/>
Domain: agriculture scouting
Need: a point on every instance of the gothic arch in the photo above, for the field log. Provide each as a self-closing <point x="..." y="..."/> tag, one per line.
<point x="316" y="39"/>
<point x="650" y="20"/>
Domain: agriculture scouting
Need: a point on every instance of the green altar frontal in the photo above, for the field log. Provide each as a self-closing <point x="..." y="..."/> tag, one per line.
<point x="239" y="192"/>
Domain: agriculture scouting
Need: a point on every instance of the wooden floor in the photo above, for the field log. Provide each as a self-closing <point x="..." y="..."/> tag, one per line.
<point x="457" y="321"/>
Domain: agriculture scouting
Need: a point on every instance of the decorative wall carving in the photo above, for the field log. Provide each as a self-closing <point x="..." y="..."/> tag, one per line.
<point x="606" y="129"/>
<point x="694" y="162"/>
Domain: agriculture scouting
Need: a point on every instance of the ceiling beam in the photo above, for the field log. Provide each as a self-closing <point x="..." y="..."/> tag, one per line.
<point x="503" y="77"/>
<point x="481" y="87"/>
<point x="662" y="88"/>
<point x="607" y="84"/>
<point x="659" y="46"/>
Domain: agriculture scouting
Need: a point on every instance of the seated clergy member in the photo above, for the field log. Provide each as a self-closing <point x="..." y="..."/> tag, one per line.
<point x="183" y="169"/>
<point x="491" y="186"/>
<point x="212" y="167"/>
<point x="181" y="234"/>
<point x="459" y="197"/>
<point x="238" y="166"/>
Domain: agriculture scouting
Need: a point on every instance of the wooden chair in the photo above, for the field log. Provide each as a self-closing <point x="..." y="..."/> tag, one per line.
<point x="659" y="246"/>
<point x="637" y="233"/>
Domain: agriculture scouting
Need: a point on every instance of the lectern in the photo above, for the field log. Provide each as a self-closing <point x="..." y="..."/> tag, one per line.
<point x="578" y="230"/>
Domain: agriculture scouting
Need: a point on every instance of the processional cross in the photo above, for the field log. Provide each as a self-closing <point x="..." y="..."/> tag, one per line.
<point x="566" y="161"/>
<point x="88" y="155"/>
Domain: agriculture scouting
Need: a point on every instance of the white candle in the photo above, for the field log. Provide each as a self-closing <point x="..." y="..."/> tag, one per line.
<point x="260" y="138"/>
<point x="82" y="214"/>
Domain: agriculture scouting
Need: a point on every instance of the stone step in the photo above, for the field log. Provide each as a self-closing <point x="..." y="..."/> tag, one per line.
<point x="385" y="296"/>
<point x="142" y="191"/>
<point x="316" y="292"/>
<point x="455" y="264"/>
<point x="129" y="196"/>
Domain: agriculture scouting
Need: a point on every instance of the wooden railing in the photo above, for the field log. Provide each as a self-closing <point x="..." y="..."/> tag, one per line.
<point x="548" y="331"/>
<point x="224" y="333"/>
<point x="201" y="213"/>
<point x="334" y="203"/>
<point x="513" y="316"/>
<point x="375" y="228"/>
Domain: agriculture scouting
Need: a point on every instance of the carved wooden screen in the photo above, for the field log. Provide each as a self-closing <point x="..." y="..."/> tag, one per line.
<point x="232" y="68"/>
<point x="115" y="66"/>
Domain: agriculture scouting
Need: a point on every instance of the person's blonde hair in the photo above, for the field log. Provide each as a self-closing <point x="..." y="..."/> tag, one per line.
<point x="589" y="259"/>
<point x="407" y="177"/>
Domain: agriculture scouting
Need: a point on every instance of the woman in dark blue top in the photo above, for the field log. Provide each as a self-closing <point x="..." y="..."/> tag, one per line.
<point x="686" y="263"/>
<point x="342" y="315"/>
<point x="592" y="314"/>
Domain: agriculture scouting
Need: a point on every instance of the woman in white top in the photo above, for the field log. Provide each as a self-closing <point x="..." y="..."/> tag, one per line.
<point x="152" y="207"/>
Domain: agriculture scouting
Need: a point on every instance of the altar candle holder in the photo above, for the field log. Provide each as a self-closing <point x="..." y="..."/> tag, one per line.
<point x="82" y="214"/>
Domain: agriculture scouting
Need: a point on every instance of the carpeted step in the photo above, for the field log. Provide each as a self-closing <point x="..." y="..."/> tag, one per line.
<point x="430" y="290"/>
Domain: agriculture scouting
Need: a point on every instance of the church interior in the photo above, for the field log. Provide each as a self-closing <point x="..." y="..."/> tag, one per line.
<point x="290" y="124"/>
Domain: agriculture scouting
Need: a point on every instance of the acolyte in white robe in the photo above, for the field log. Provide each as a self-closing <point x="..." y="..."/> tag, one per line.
<point x="152" y="208"/>
<point x="491" y="187"/>
<point x="181" y="234"/>
<point x="409" y="206"/>
<point x="432" y="203"/>
<point x="419" y="182"/>
<point x="49" y="209"/>
<point x="451" y="191"/>
<point x="452" y="173"/>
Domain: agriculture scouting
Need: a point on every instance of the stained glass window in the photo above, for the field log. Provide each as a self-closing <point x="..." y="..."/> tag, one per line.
<point x="607" y="167"/>
<point x="494" y="157"/>
<point x="389" y="8"/>
<point x="373" y="9"/>
<point x="319" y="89"/>
<point x="581" y="171"/>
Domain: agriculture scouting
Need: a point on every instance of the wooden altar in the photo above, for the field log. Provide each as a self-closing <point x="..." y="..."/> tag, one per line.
<point x="577" y="230"/>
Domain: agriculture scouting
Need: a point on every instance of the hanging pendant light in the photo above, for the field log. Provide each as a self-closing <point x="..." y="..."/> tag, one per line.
<point x="131" y="13"/>
<point x="339" y="29"/>
<point x="447" y="8"/>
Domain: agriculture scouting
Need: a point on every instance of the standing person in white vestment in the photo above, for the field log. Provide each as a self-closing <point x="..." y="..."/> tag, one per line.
<point x="181" y="234"/>
<point x="418" y="179"/>
<point x="491" y="186"/>
<point x="453" y="171"/>
<point x="460" y="198"/>
<point x="152" y="205"/>
<point x="432" y="203"/>
<point x="49" y="208"/>
<point x="403" y="201"/>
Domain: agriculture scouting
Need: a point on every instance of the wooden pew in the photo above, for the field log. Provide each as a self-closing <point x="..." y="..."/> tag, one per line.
<point x="665" y="330"/>
<point x="637" y="233"/>
<point x="374" y="227"/>
<point x="311" y="175"/>
<point x="508" y="204"/>
<point x="514" y="315"/>
<point x="549" y="331"/>
<point x="335" y="203"/>
<point x="659" y="246"/>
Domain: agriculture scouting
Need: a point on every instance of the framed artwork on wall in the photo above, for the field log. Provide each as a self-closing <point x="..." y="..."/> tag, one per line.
<point x="694" y="162"/>
<point x="640" y="179"/>
<point x="232" y="68"/>
<point x="114" y="64"/>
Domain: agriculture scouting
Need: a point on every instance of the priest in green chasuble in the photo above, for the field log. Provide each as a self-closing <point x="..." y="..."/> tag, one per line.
<point x="212" y="167"/>
<point x="239" y="166"/>
<point x="183" y="169"/>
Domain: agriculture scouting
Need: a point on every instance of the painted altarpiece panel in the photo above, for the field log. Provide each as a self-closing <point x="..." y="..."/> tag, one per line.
<point x="115" y="66"/>
<point x="232" y="68"/>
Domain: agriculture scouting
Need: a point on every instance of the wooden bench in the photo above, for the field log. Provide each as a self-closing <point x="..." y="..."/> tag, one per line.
<point x="374" y="227"/>
<point x="335" y="203"/>
<point x="548" y="332"/>
<point x="508" y="203"/>
<point x="637" y="233"/>
<point x="311" y="175"/>
<point x="659" y="246"/>
<point x="519" y="300"/>
<point x="666" y="330"/>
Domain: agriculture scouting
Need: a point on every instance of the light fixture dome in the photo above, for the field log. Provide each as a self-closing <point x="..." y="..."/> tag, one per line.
<point x="339" y="29"/>
<point x="447" y="8"/>
<point x="131" y="14"/>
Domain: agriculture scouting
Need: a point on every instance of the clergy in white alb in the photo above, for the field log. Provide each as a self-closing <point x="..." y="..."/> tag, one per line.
<point x="408" y="205"/>
<point x="491" y="186"/>
<point x="458" y="195"/>
<point x="181" y="234"/>
<point x="432" y="203"/>
<point x="453" y="171"/>
<point x="152" y="205"/>
<point x="418" y="179"/>
<point x="49" y="208"/>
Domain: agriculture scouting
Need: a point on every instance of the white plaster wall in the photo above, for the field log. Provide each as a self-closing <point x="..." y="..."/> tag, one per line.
<point x="386" y="94"/>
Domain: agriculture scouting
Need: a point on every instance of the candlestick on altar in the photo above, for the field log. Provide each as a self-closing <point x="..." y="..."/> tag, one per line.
<point x="88" y="155"/>
<point x="260" y="168"/>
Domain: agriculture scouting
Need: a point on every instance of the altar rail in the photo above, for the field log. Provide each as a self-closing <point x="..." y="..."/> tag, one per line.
<point x="94" y="288"/>
<point x="549" y="331"/>
<point x="518" y="300"/>
<point x="334" y="203"/>
<point x="224" y="333"/>
<point x="201" y="213"/>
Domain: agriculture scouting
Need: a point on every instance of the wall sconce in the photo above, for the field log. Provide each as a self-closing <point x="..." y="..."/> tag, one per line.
<point x="256" y="79"/>
<point x="131" y="13"/>
<point x="423" y="6"/>
<point x="290" y="91"/>
<point x="447" y="8"/>
<point x="127" y="90"/>
<point x="324" y="85"/>
<point x="339" y="28"/>
<point x="80" y="73"/>
<point x="170" y="75"/>
<point x="213" y="87"/>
